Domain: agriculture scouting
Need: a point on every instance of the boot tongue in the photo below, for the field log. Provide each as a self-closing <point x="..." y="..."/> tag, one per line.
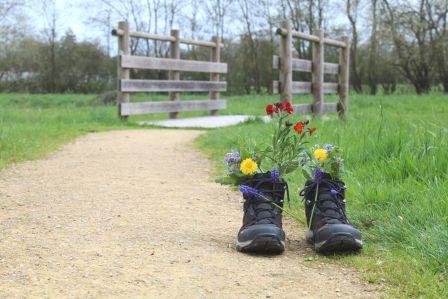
<point x="331" y="210"/>
<point x="264" y="212"/>
<point x="327" y="201"/>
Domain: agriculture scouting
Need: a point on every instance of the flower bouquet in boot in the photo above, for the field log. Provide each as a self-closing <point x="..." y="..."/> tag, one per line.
<point x="329" y="229"/>
<point x="264" y="191"/>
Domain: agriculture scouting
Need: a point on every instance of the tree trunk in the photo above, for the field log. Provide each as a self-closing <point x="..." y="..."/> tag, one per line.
<point x="356" y="77"/>
<point x="372" y="68"/>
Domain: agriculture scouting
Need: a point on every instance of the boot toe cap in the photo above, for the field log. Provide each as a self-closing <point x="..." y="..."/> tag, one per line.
<point x="258" y="230"/>
<point x="331" y="229"/>
<point x="337" y="237"/>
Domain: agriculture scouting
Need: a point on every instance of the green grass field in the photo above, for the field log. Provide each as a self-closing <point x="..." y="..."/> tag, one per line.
<point x="397" y="175"/>
<point x="395" y="155"/>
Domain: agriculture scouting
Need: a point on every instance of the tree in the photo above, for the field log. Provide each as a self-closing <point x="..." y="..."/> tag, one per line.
<point x="50" y="17"/>
<point x="436" y="17"/>
<point x="373" y="53"/>
<point x="352" y="7"/>
<point x="245" y="8"/>
<point x="217" y="11"/>
<point x="410" y="34"/>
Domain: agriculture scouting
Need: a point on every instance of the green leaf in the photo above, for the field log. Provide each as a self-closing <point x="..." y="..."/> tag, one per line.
<point x="306" y="171"/>
<point x="225" y="180"/>
<point x="291" y="166"/>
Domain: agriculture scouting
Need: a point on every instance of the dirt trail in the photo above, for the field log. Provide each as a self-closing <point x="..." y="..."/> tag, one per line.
<point x="136" y="214"/>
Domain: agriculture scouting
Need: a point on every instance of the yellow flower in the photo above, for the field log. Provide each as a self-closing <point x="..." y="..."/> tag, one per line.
<point x="320" y="154"/>
<point x="248" y="166"/>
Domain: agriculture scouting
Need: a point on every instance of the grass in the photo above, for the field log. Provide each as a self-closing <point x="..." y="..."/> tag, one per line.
<point x="395" y="152"/>
<point x="397" y="171"/>
<point x="32" y="125"/>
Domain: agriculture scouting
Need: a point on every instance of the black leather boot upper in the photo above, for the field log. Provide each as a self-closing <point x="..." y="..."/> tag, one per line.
<point x="262" y="218"/>
<point x="258" y="210"/>
<point x="327" y="214"/>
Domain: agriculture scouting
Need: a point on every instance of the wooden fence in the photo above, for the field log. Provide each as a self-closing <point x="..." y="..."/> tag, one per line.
<point x="287" y="64"/>
<point x="174" y="85"/>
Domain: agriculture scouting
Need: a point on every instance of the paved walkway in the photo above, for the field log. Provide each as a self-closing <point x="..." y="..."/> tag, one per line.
<point x="202" y="122"/>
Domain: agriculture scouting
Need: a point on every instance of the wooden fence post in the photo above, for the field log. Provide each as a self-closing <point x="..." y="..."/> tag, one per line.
<point x="215" y="57"/>
<point x="318" y="73"/>
<point x="123" y="73"/>
<point x="344" y="62"/>
<point x="285" y="63"/>
<point x="174" y="75"/>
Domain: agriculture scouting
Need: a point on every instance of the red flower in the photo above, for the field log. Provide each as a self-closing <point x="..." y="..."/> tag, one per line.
<point x="279" y="107"/>
<point x="298" y="127"/>
<point x="312" y="130"/>
<point x="288" y="107"/>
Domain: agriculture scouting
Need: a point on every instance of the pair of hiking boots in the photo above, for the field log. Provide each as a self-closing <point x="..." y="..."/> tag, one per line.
<point x="329" y="231"/>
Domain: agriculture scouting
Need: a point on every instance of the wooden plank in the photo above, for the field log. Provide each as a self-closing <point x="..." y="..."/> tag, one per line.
<point x="330" y="108"/>
<point x="135" y="85"/>
<point x="275" y="62"/>
<point x="303" y="108"/>
<point x="300" y="65"/>
<point x="298" y="87"/>
<point x="344" y="61"/>
<point x="285" y="73"/>
<point x="201" y="43"/>
<point x="331" y="68"/>
<point x="122" y="74"/>
<point x="174" y="75"/>
<point x="166" y="38"/>
<point x="316" y="38"/>
<point x="312" y="38"/>
<point x="176" y="106"/>
<point x="318" y="74"/>
<point x="152" y="63"/>
<point x="308" y="108"/>
<point x="304" y="36"/>
<point x="304" y="65"/>
<point x="215" y="57"/>
<point x="330" y="87"/>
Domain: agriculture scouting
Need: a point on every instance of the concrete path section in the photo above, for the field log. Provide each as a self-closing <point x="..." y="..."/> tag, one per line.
<point x="202" y="122"/>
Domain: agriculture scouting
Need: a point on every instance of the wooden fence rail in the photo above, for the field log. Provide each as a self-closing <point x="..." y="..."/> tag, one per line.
<point x="174" y="85"/>
<point x="286" y="64"/>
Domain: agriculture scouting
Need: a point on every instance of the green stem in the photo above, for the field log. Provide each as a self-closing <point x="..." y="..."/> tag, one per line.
<point x="314" y="206"/>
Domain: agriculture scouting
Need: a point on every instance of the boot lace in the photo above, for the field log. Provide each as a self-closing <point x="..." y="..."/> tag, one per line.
<point x="265" y="204"/>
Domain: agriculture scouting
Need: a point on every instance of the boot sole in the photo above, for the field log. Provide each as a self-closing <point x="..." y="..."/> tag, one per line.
<point x="339" y="242"/>
<point x="262" y="244"/>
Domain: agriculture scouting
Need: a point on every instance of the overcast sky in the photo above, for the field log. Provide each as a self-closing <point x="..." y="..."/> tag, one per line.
<point x="75" y="14"/>
<point x="71" y="15"/>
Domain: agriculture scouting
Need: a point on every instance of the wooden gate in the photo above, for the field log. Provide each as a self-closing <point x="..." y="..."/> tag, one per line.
<point x="287" y="64"/>
<point x="127" y="85"/>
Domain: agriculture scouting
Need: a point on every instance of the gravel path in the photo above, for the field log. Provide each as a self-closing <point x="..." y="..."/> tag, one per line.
<point x="136" y="214"/>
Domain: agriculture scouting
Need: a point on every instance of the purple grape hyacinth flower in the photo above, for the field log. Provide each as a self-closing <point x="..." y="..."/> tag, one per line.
<point x="318" y="175"/>
<point x="334" y="192"/>
<point x="232" y="157"/>
<point x="328" y="146"/>
<point x="249" y="191"/>
<point x="275" y="176"/>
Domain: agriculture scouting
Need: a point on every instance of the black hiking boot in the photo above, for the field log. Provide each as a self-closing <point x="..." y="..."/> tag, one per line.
<point x="330" y="230"/>
<point x="262" y="222"/>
